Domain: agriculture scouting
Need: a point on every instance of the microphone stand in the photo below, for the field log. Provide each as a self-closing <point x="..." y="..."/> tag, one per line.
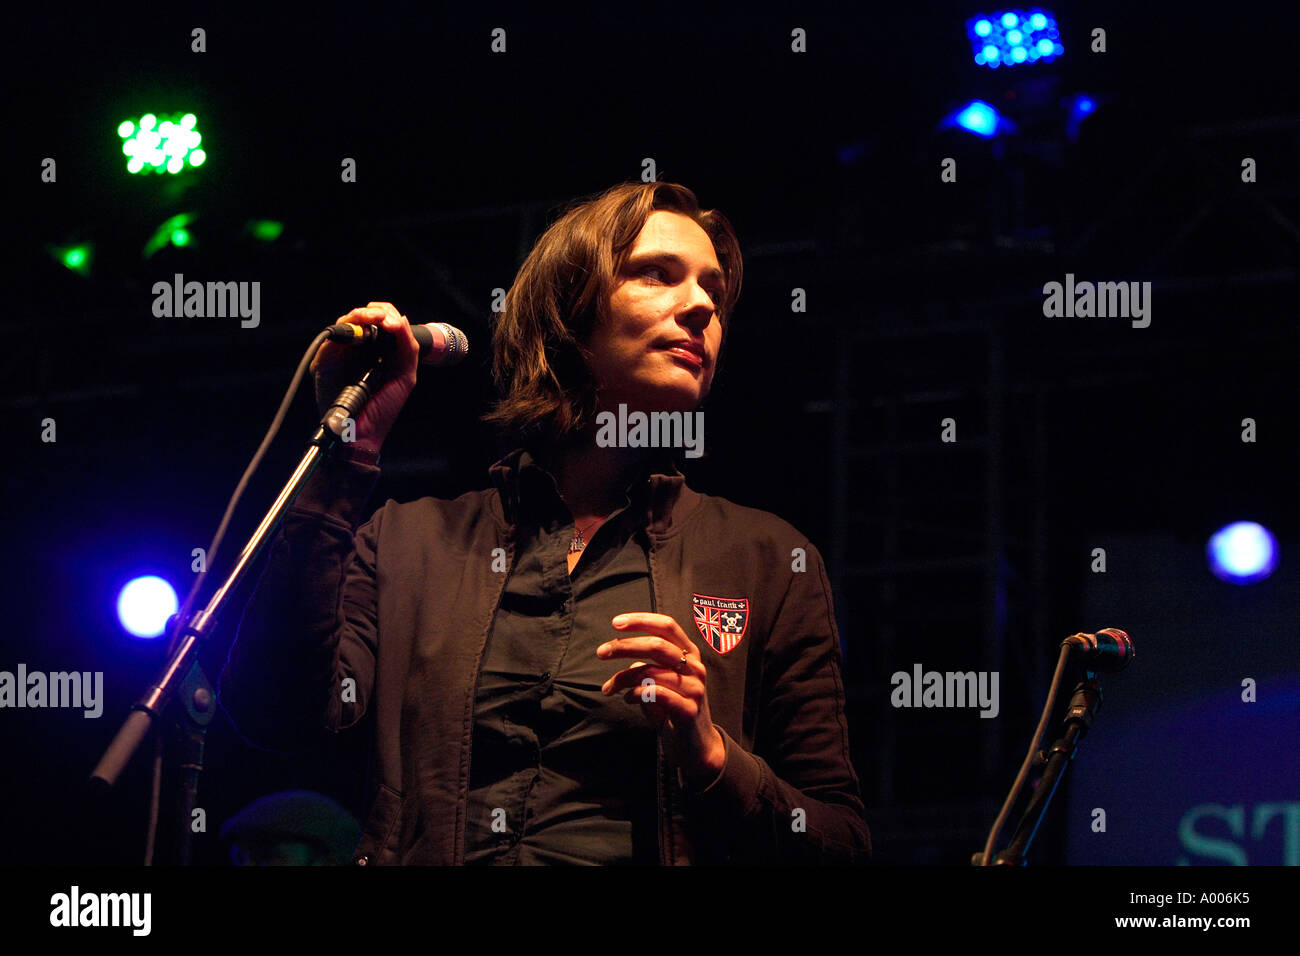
<point x="181" y="675"/>
<point x="1078" y="721"/>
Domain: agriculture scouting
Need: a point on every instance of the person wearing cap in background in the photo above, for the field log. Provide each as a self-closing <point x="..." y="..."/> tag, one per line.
<point x="293" y="828"/>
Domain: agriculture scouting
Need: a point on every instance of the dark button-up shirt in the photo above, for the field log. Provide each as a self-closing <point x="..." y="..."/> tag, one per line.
<point x="559" y="772"/>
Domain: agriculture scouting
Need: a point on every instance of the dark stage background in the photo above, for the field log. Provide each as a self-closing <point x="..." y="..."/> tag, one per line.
<point x="924" y="302"/>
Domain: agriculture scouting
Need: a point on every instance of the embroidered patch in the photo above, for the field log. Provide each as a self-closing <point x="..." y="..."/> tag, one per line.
<point x="722" y="621"/>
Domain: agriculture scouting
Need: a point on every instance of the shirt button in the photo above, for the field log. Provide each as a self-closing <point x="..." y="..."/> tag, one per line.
<point x="546" y="675"/>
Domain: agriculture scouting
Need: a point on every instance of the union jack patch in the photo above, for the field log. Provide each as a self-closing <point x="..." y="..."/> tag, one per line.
<point x="722" y="621"/>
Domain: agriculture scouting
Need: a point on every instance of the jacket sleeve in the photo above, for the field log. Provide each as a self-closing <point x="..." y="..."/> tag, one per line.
<point x="799" y="802"/>
<point x="312" y="621"/>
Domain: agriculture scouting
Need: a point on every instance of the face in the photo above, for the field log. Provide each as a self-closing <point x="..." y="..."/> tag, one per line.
<point x="659" y="348"/>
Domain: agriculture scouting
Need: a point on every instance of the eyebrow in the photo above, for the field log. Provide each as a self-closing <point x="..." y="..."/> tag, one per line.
<point x="677" y="260"/>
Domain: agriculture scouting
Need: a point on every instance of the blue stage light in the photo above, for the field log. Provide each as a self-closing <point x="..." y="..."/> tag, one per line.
<point x="1081" y="107"/>
<point x="1014" y="37"/>
<point x="979" y="118"/>
<point x="145" y="604"/>
<point x="1242" y="553"/>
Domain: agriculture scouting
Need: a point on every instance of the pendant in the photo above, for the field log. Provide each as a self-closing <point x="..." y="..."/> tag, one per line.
<point x="577" y="544"/>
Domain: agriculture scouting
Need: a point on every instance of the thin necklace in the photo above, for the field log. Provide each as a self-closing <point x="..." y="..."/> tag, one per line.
<point x="578" y="542"/>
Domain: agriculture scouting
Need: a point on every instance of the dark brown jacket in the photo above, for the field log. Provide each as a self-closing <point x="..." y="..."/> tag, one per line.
<point x="403" y="607"/>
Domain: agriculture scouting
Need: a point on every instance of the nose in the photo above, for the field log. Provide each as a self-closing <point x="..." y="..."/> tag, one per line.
<point x="699" y="305"/>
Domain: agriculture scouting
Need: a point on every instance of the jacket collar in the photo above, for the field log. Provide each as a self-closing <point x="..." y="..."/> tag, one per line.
<point x="659" y="484"/>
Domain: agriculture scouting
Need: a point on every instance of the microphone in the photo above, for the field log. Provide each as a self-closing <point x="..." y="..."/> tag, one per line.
<point x="1110" y="650"/>
<point x="440" y="343"/>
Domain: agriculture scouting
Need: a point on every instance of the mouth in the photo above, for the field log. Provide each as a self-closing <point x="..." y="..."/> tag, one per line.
<point x="687" y="354"/>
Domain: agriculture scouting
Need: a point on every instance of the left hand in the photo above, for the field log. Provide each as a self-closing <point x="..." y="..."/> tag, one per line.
<point x="676" y="701"/>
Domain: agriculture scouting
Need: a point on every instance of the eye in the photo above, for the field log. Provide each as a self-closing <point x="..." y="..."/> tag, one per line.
<point x="660" y="270"/>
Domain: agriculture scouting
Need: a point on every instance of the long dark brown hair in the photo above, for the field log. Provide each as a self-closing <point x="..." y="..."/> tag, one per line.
<point x="563" y="289"/>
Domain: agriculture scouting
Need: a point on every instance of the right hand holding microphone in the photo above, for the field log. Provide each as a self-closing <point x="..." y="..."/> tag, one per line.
<point x="336" y="366"/>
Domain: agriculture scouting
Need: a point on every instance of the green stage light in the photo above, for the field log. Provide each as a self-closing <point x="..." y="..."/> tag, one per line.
<point x="155" y="144"/>
<point x="174" y="232"/>
<point x="267" y="230"/>
<point x="75" y="257"/>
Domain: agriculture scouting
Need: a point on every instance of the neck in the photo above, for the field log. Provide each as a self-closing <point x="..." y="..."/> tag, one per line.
<point x="592" y="480"/>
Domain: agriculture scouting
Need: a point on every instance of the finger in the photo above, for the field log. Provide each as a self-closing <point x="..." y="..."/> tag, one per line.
<point x="390" y="317"/>
<point x="372" y="314"/>
<point x="408" y="350"/>
<point x="650" y="622"/>
<point x="332" y="356"/>
<point x="635" y="677"/>
<point x="408" y="347"/>
<point x="657" y="715"/>
<point x="656" y="650"/>
<point x="325" y="359"/>
<point x="679" y="709"/>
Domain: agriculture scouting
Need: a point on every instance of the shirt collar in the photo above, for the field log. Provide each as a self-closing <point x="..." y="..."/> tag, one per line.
<point x="524" y="484"/>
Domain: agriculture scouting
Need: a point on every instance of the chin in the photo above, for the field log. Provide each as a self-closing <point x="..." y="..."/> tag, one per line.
<point x="677" y="401"/>
<point x="665" y="401"/>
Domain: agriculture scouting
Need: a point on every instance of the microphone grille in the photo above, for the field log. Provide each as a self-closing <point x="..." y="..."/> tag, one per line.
<point x="457" y="342"/>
